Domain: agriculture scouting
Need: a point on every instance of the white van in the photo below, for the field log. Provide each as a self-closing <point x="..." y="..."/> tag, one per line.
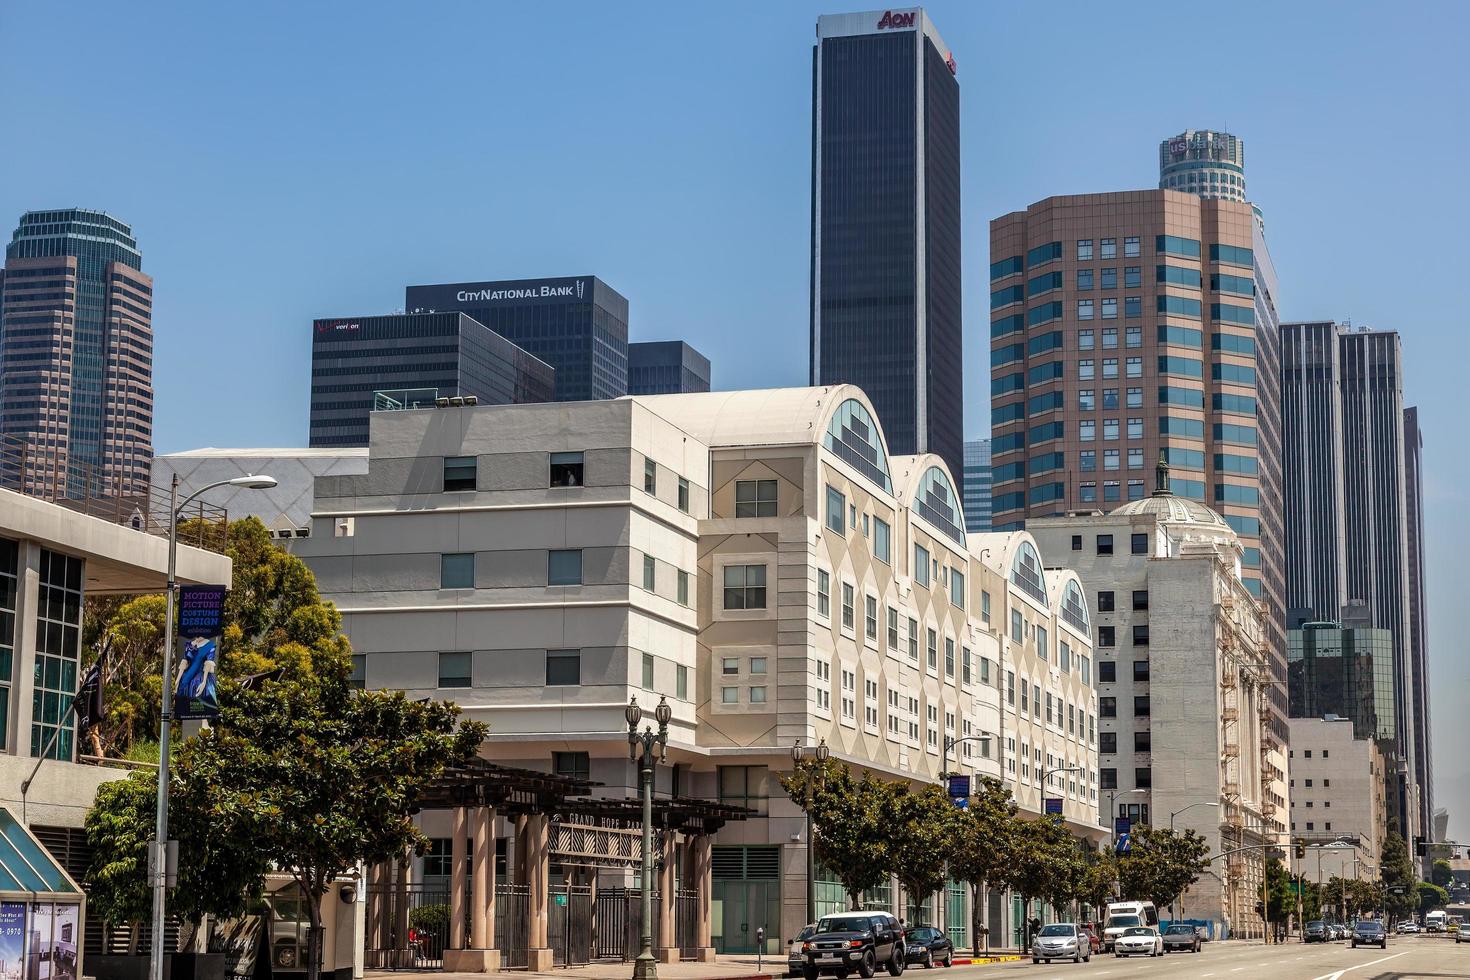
<point x="1436" y="921"/>
<point x="1127" y="915"/>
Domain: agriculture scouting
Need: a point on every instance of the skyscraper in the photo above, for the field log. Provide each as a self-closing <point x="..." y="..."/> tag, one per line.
<point x="666" y="367"/>
<point x="1418" y="613"/>
<point x="977" y="485"/>
<point x="1349" y="538"/>
<point x="578" y="325"/>
<point x="1204" y="162"/>
<point x="407" y="360"/>
<point x="1098" y="367"/>
<point x="76" y="357"/>
<point x="886" y="269"/>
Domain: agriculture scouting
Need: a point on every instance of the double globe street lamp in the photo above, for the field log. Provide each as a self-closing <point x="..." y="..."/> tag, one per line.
<point x="641" y="748"/>
<point x="820" y="753"/>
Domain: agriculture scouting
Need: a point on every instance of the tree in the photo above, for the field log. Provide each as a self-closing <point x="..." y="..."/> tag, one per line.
<point x="1440" y="873"/>
<point x="1099" y="879"/>
<point x="851" y="822"/>
<point x="1045" y="863"/>
<point x="923" y="826"/>
<point x="119" y="827"/>
<point x="983" y="842"/>
<point x="1280" y="892"/>
<point x="1432" y="897"/>
<point x="1161" y="863"/>
<point x="314" y="778"/>
<point x="1399" y="877"/>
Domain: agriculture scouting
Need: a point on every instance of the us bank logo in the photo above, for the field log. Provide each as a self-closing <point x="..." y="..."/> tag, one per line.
<point x="574" y="291"/>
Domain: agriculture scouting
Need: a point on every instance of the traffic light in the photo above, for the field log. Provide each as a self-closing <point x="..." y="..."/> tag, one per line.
<point x="1421" y="848"/>
<point x="1301" y="851"/>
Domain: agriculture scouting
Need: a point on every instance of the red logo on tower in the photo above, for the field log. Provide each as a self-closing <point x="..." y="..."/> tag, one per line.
<point x="897" y="21"/>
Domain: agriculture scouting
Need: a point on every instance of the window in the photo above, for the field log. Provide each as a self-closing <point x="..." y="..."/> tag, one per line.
<point x="932" y="649"/>
<point x="565" y="470"/>
<point x="921" y="565"/>
<point x="1135" y="397"/>
<point x="648" y="671"/>
<point x="849" y="601"/>
<point x="836" y="511"/>
<point x="966" y="659"/>
<point x="1105" y="544"/>
<point x="1088" y="489"/>
<point x="1110" y="338"/>
<point x="1086" y="400"/>
<point x="1134" y="337"/>
<point x="1140" y="599"/>
<point x="1025" y="697"/>
<point x="459" y="473"/>
<point x="913" y="639"/>
<point x="457" y="571"/>
<point x="650" y="573"/>
<point x="870" y="617"/>
<point x="1084" y="250"/>
<point x="1132" y="277"/>
<point x="1142" y="741"/>
<point x="1140" y="670"/>
<point x="729" y="695"/>
<point x="746" y="786"/>
<point x="1036" y="701"/>
<point x="683" y="588"/>
<point x="1107" y="778"/>
<point x="577" y="765"/>
<point x="1143" y="777"/>
<point x="949" y="657"/>
<point x="1135" y="367"/>
<point x="1132" y="310"/>
<point x="1135" y="489"/>
<point x="1086" y="369"/>
<point x="1135" y="430"/>
<point x="650" y="476"/>
<point x="1107" y="672"/>
<point x="1107" y="707"/>
<point x="824" y="593"/>
<point x="1140" y="705"/>
<point x="358" y="678"/>
<point x="1084" y="309"/>
<point x="1139" y="543"/>
<point x="563" y="668"/>
<point x="881" y="540"/>
<point x="1130" y="247"/>
<point x="1108" y="248"/>
<point x="1018" y="626"/>
<point x="755" y="498"/>
<point x="1140" y="634"/>
<point x="1110" y="281"/>
<point x="1106" y="636"/>
<point x="1135" y="459"/>
<point x="757" y="695"/>
<point x="1109" y="743"/>
<point x="1087" y="430"/>
<point x="683" y="495"/>
<point x="892" y="629"/>
<point x="1110" y="367"/>
<point x="681" y="682"/>
<point x="745" y="586"/>
<point x="1076" y="542"/>
<point x="985" y="607"/>
<point x="957" y="588"/>
<point x="729" y="666"/>
<point x="565" y="567"/>
<point x="824" y="684"/>
<point x="1110" y="430"/>
<point x="1084" y="278"/>
<point x="1105" y="602"/>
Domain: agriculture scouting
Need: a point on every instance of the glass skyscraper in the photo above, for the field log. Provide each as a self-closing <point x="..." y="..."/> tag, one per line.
<point x="977" y="485"/>
<point x="885" y="265"/>
<point x="76" y="357"/>
<point x="666" y="367"/>
<point x="578" y="325"/>
<point x="1332" y="669"/>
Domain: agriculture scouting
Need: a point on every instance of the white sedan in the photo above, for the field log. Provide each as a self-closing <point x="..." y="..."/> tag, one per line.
<point x="1139" y="940"/>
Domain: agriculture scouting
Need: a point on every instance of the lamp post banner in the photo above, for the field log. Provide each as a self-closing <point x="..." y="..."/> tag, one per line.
<point x="201" y="610"/>
<point x="197" y="697"/>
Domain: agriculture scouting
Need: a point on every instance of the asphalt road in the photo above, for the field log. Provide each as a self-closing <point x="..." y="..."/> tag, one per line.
<point x="1407" y="958"/>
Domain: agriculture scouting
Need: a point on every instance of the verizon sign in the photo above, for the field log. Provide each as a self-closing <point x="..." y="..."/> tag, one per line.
<point x="897" y="20"/>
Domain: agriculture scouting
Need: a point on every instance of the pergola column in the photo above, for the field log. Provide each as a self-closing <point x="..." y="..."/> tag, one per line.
<point x="482" y="956"/>
<point x="457" y="878"/>
<point x="538" y="860"/>
<point x="377" y="915"/>
<point x="701" y="877"/>
<point x="666" y="948"/>
<point x="522" y="868"/>
<point x="400" y="910"/>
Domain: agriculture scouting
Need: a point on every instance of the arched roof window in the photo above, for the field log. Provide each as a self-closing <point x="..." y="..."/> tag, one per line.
<point x="940" y="505"/>
<point x="853" y="437"/>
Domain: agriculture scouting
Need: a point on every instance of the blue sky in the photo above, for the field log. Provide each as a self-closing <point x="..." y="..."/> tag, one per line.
<point x="280" y="162"/>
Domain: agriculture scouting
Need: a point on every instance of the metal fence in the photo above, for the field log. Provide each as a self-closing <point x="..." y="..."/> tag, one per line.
<point x="412" y="928"/>
<point x="569" y="924"/>
<point x="513" y="925"/>
<point x="617" y="933"/>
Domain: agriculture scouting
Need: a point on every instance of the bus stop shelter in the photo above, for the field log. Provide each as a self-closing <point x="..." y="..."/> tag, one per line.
<point x="41" y="909"/>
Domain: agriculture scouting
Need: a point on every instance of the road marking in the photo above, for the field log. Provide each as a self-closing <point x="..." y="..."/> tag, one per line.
<point x="1360" y="966"/>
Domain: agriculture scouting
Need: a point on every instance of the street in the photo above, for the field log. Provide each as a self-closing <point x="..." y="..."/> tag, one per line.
<point x="1407" y="957"/>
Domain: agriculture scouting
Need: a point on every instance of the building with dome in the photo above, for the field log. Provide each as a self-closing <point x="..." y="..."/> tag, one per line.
<point x="1184" y="680"/>
<point x="762" y="561"/>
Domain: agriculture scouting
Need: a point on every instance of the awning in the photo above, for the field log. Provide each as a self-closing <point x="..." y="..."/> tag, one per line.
<point x="27" y="869"/>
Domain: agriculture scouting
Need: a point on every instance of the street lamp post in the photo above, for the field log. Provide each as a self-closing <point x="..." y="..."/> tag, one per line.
<point x="1174" y="908"/>
<point x="821" y="752"/>
<point x="949" y="743"/>
<point x="165" y="719"/>
<point x="641" y="748"/>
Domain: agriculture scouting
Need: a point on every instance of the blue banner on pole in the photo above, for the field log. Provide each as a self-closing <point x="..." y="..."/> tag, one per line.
<point x="1054" y="805"/>
<point x="1121" y="825"/>
<point x="959" y="786"/>
<point x="1125" y="843"/>
<point x="201" y="610"/>
<point x="197" y="697"/>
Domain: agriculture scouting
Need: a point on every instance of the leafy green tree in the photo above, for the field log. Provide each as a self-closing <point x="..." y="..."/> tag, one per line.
<point x="1440" y="873"/>
<point x="1161" y="863"/>
<point x="1045" y="862"/>
<point x="981" y="851"/>
<point x="852" y="822"/>
<point x="923" y="827"/>
<point x="1432" y="897"/>
<point x="119" y="827"/>
<point x="1280" y="892"/>
<point x="1399" y="877"/>
<point x="1099" y="879"/>
<point x="1364" y="896"/>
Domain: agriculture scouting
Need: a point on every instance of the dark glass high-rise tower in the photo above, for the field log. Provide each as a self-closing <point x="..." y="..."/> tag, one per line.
<point x="885" y="274"/>
<point x="76" y="357"/>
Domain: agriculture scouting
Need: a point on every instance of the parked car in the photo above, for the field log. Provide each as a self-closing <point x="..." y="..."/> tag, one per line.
<point x="1316" y="932"/>
<point x="1183" y="938"/>
<point x="1144" y="940"/>
<point x="1369" y="932"/>
<point x="794" y="956"/>
<point x="927" y="945"/>
<point x="854" y="942"/>
<point x="1061" y="941"/>
<point x="1408" y="928"/>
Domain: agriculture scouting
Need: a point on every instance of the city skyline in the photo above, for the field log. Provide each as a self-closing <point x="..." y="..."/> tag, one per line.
<point x="1007" y="162"/>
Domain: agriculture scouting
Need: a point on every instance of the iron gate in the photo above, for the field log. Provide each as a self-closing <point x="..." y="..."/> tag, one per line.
<point x="619" y="918"/>
<point x="686" y="922"/>
<point x="513" y="925"/>
<point x="408" y="929"/>
<point x="569" y="924"/>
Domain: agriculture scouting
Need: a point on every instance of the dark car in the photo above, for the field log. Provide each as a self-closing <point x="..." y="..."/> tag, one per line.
<point x="1181" y="938"/>
<point x="928" y="945"/>
<point x="854" y="942"/>
<point x="794" y="956"/>
<point x="1316" y="932"/>
<point x="1370" y="932"/>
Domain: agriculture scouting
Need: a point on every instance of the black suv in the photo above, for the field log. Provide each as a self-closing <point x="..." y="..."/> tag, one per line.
<point x="854" y="942"/>
<point x="1369" y="932"/>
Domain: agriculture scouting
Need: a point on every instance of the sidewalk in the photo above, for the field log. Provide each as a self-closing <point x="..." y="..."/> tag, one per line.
<point x="728" y="967"/>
